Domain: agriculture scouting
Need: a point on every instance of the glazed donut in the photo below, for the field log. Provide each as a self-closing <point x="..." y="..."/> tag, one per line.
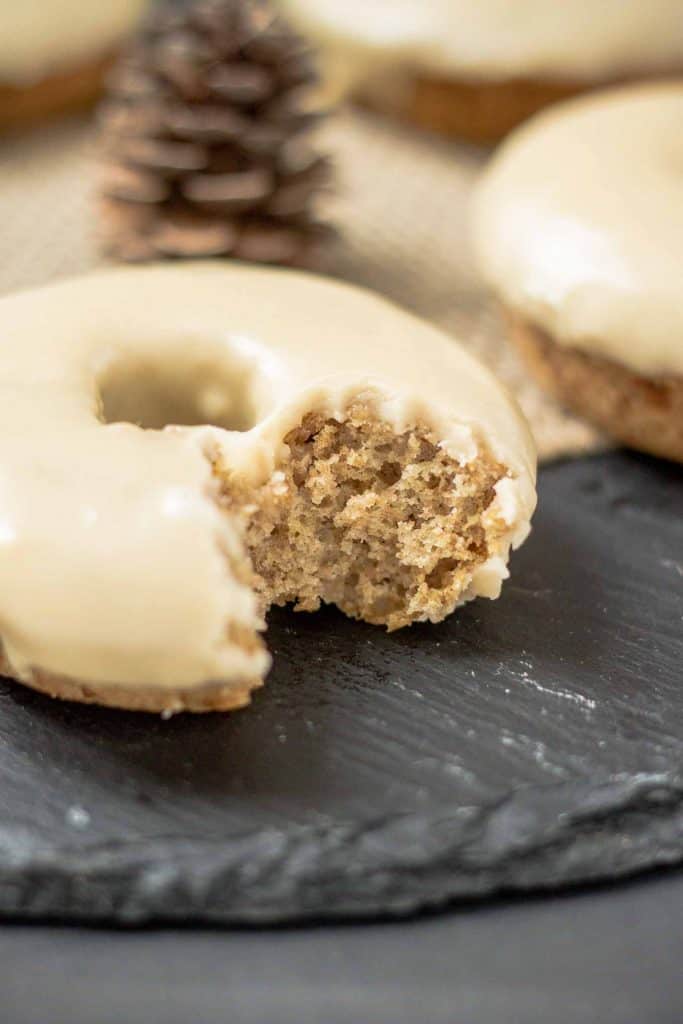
<point x="476" y="70"/>
<point x="326" y="447"/>
<point x="579" y="230"/>
<point x="54" y="53"/>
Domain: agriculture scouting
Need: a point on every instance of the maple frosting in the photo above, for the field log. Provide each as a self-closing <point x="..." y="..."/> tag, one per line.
<point x="112" y="544"/>
<point x="38" y="37"/>
<point x="497" y="38"/>
<point x="578" y="225"/>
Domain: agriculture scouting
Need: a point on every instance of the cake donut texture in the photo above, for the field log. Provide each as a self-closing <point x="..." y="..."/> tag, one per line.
<point x="54" y="53"/>
<point x="478" y="69"/>
<point x="327" y="447"/>
<point x="579" y="230"/>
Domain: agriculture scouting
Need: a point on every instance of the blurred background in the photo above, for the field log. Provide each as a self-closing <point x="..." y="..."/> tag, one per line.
<point x="378" y="117"/>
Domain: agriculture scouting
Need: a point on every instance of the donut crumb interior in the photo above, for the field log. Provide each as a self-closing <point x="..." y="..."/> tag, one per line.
<point x="388" y="526"/>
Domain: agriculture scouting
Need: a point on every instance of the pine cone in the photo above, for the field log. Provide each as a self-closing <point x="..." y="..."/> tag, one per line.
<point x="204" y="133"/>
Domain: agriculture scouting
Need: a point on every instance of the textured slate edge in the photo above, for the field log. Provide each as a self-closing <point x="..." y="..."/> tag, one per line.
<point x="537" y="838"/>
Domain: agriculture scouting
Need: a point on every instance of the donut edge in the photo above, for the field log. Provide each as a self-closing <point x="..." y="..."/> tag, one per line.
<point x="69" y="90"/>
<point x="483" y="112"/>
<point x="154" y="699"/>
<point x="644" y="413"/>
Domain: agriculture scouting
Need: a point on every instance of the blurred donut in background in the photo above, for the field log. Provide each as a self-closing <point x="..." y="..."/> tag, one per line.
<point x="54" y="53"/>
<point x="476" y="70"/>
<point x="578" y="230"/>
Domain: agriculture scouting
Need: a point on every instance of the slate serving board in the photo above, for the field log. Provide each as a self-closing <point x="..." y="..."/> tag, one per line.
<point x="526" y="743"/>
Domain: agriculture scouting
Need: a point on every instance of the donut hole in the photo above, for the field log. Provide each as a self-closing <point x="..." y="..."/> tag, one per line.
<point x="384" y="524"/>
<point x="186" y="391"/>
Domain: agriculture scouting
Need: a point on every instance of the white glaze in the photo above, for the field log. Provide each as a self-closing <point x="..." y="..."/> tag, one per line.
<point x="110" y="568"/>
<point x="38" y="37"/>
<point x="578" y="225"/>
<point x="494" y="39"/>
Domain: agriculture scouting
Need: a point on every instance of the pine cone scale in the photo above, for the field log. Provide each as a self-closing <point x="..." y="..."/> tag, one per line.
<point x="167" y="158"/>
<point x="134" y="186"/>
<point x="229" y="191"/>
<point x="205" y="123"/>
<point x="242" y="84"/>
<point x="193" y="238"/>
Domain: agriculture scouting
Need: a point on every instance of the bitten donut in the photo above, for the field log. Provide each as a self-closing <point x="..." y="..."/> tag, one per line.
<point x="579" y="230"/>
<point x="477" y="69"/>
<point x="327" y="447"/>
<point x="53" y="53"/>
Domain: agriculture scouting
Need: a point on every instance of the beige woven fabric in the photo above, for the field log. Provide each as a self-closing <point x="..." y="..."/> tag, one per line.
<point x="401" y="207"/>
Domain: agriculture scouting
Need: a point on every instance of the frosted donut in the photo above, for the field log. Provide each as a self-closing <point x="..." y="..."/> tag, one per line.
<point x="478" y="69"/>
<point x="53" y="53"/>
<point x="579" y="230"/>
<point x="356" y="456"/>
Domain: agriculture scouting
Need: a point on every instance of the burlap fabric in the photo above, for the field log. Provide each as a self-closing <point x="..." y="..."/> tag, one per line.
<point x="401" y="206"/>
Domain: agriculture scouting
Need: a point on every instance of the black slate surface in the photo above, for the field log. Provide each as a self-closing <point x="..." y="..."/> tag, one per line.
<point x="529" y="742"/>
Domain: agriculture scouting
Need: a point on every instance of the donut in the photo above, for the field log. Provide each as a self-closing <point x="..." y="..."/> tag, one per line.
<point x="476" y="70"/>
<point x="578" y="227"/>
<point x="54" y="54"/>
<point x="183" y="446"/>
